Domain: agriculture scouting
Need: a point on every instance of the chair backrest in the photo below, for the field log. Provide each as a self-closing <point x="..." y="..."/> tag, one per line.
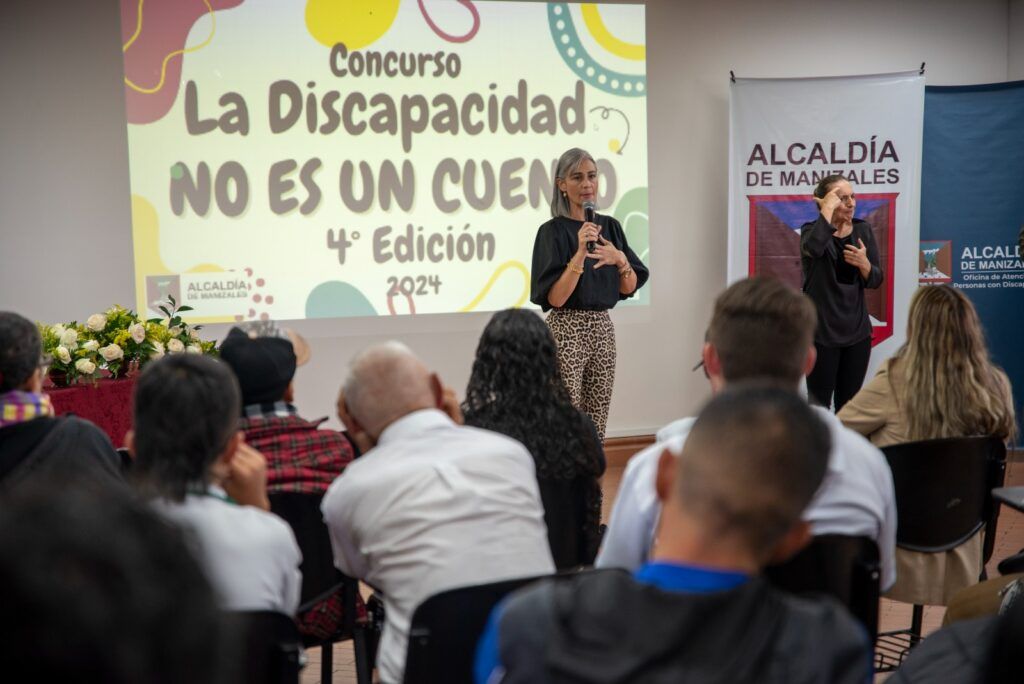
<point x="302" y="513"/>
<point x="267" y="647"/>
<point x="126" y="459"/>
<point x="944" y="491"/>
<point x="841" y="566"/>
<point x="445" y="629"/>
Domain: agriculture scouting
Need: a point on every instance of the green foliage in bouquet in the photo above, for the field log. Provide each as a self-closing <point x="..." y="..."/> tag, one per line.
<point x="173" y="335"/>
<point x="117" y="341"/>
<point x="73" y="358"/>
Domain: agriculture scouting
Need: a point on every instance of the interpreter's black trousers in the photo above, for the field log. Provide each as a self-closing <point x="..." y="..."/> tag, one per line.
<point x="839" y="371"/>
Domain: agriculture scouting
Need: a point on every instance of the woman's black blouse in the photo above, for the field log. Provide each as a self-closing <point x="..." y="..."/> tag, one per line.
<point x="597" y="288"/>
<point x="835" y="286"/>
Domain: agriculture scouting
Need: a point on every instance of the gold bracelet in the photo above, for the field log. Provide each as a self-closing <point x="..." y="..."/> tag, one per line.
<point x="578" y="270"/>
<point x="624" y="273"/>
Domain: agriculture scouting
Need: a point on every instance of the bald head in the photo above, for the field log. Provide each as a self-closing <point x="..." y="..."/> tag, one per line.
<point x="386" y="382"/>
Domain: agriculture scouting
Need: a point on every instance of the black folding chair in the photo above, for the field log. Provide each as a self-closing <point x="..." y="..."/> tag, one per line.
<point x="844" y="567"/>
<point x="1014" y="498"/>
<point x="445" y="629"/>
<point x="320" y="579"/>
<point x="943" y="498"/>
<point x="126" y="460"/>
<point x="266" y="645"/>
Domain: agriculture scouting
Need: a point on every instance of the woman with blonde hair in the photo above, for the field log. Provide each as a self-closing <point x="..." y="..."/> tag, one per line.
<point x="940" y="383"/>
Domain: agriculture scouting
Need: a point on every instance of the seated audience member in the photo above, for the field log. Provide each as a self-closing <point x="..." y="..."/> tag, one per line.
<point x="985" y="650"/>
<point x="983" y="598"/>
<point x="515" y="389"/>
<point x="762" y="328"/>
<point x="300" y="457"/>
<point x="98" y="589"/>
<point x="697" y="611"/>
<point x="191" y="459"/>
<point x="1006" y="657"/>
<point x="35" y="445"/>
<point x="940" y="383"/>
<point x="431" y="505"/>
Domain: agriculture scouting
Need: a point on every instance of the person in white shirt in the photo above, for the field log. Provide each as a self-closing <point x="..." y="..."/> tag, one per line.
<point x="431" y="505"/>
<point x="762" y="328"/>
<point x="191" y="460"/>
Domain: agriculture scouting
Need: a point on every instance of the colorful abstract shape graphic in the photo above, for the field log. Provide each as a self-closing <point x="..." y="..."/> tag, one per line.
<point x="604" y="37"/>
<point x="468" y="4"/>
<point x="512" y="264"/>
<point x="632" y="212"/>
<point x="337" y="299"/>
<point x="149" y="261"/>
<point x="408" y="299"/>
<point x="356" y="23"/>
<point x="614" y="144"/>
<point x="567" y="41"/>
<point x="259" y="297"/>
<point x="154" y="35"/>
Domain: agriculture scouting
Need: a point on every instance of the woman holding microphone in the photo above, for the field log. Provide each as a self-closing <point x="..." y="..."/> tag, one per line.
<point x="582" y="267"/>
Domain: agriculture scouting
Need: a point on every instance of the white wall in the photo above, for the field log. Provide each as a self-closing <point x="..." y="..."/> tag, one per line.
<point x="65" y="246"/>
<point x="1015" y="42"/>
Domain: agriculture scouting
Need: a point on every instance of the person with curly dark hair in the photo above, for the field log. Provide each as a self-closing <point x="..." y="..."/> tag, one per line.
<point x="516" y="389"/>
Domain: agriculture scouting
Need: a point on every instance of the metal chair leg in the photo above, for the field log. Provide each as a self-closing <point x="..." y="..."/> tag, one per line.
<point x="363" y="666"/>
<point x="916" y="620"/>
<point x="327" y="663"/>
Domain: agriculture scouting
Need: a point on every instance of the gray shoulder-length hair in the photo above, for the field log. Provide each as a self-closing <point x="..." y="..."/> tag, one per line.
<point x="567" y="163"/>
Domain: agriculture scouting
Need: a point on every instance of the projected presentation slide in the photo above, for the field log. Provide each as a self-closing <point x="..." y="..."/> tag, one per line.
<point x="323" y="158"/>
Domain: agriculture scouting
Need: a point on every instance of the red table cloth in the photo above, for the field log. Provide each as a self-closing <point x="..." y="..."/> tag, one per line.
<point x="108" y="404"/>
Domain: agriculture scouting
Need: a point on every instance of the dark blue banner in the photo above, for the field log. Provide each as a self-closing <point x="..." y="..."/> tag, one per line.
<point x="972" y="209"/>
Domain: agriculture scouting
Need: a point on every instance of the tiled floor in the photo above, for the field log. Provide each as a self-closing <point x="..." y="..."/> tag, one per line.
<point x="893" y="615"/>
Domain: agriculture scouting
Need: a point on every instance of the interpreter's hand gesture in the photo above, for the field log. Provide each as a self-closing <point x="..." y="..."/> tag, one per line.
<point x="246" y="480"/>
<point x="827" y="204"/>
<point x="858" y="258"/>
<point x="607" y="255"/>
<point x="588" y="232"/>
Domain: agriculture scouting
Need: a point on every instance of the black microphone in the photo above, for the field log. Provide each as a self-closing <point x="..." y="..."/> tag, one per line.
<point x="589" y="216"/>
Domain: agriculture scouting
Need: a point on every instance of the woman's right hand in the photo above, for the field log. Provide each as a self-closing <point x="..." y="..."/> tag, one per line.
<point x="588" y="232"/>
<point x="827" y="204"/>
<point x="246" y="480"/>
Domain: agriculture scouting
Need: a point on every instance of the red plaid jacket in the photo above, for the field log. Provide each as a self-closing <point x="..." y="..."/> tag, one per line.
<point x="300" y="457"/>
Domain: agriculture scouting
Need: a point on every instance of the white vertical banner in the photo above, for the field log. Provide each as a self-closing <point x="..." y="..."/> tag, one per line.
<point x="787" y="134"/>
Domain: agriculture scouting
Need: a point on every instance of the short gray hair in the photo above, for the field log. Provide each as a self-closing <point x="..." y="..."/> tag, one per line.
<point x="567" y="163"/>
<point x="384" y="383"/>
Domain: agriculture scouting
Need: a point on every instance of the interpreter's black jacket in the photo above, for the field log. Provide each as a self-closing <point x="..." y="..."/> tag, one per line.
<point x="835" y="286"/>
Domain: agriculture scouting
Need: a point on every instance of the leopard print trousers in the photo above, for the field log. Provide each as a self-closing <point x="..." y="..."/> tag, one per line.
<point x="586" y="357"/>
